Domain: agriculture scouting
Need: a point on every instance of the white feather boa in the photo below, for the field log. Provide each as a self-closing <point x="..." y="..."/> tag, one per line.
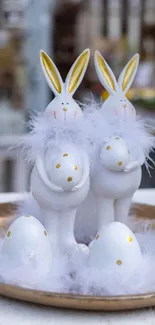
<point x="87" y="132"/>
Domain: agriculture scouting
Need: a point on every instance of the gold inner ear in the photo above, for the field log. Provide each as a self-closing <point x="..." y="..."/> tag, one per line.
<point x="52" y="74"/>
<point x="77" y="71"/>
<point x="129" y="73"/>
<point x="105" y="72"/>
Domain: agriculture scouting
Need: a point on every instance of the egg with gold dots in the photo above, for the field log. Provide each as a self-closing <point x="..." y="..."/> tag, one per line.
<point x="26" y="243"/>
<point x="115" y="154"/>
<point x="116" y="247"/>
<point x="65" y="168"/>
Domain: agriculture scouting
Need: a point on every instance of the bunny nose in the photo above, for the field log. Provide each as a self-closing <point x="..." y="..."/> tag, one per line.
<point x="124" y="105"/>
<point x="65" y="109"/>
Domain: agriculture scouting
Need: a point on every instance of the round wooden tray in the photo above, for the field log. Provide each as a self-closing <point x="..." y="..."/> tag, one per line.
<point x="71" y="301"/>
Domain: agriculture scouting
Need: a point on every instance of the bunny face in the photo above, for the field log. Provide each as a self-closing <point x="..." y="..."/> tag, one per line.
<point x="117" y="105"/>
<point x="63" y="106"/>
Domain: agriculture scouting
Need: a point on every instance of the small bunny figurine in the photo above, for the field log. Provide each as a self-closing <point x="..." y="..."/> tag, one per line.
<point x="63" y="106"/>
<point x="118" y="173"/>
<point x="59" y="183"/>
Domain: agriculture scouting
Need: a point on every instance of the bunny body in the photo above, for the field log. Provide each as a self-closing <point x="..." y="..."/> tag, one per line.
<point x="59" y="206"/>
<point x="116" y="167"/>
<point x="124" y="184"/>
<point x="113" y="190"/>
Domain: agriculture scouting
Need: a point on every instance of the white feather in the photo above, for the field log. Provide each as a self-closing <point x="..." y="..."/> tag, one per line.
<point x="73" y="277"/>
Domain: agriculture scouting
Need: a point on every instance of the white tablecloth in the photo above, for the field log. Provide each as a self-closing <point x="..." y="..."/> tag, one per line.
<point x="19" y="313"/>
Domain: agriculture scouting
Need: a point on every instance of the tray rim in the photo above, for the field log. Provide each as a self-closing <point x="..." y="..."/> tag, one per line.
<point x="78" y="302"/>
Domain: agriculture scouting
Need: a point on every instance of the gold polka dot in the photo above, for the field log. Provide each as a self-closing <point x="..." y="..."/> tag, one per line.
<point x="27" y="216"/>
<point x="119" y="262"/>
<point x="108" y="148"/>
<point x="130" y="239"/>
<point x="9" y="233"/>
<point x="75" y="167"/>
<point x="117" y="138"/>
<point x="45" y="233"/>
<point x="70" y="179"/>
<point x="97" y="237"/>
<point x="65" y="154"/>
<point x="119" y="163"/>
<point x="58" y="166"/>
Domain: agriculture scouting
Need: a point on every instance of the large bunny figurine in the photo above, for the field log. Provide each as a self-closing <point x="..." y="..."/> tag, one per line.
<point x="118" y="173"/>
<point x="56" y="190"/>
<point x="59" y="184"/>
<point x="63" y="106"/>
<point x="60" y="177"/>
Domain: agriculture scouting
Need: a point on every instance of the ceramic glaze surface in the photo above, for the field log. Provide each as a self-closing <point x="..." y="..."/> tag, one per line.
<point x="26" y="241"/>
<point x="64" y="168"/>
<point x="62" y="165"/>
<point x="115" y="154"/>
<point x="115" y="246"/>
<point x="62" y="200"/>
<point x="115" y="185"/>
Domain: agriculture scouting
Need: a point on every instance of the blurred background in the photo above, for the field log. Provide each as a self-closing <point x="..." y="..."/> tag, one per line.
<point x="64" y="28"/>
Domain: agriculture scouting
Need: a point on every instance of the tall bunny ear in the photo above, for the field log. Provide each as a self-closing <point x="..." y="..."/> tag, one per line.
<point x="51" y="73"/>
<point x="127" y="75"/>
<point x="105" y="73"/>
<point x="77" y="71"/>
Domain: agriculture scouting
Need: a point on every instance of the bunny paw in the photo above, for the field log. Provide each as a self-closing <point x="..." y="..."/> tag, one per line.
<point x="131" y="166"/>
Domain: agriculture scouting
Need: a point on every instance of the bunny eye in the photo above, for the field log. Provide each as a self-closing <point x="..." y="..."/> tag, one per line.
<point x="121" y="100"/>
<point x="67" y="103"/>
<point x="62" y="103"/>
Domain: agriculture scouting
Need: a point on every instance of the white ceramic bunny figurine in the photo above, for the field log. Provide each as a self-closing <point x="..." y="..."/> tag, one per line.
<point x="63" y="106"/>
<point x="59" y="183"/>
<point x="114" y="186"/>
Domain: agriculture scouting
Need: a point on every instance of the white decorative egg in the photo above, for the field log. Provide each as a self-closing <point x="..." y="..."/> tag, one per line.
<point x="26" y="243"/>
<point x="115" y="247"/>
<point x="65" y="169"/>
<point x="115" y="154"/>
